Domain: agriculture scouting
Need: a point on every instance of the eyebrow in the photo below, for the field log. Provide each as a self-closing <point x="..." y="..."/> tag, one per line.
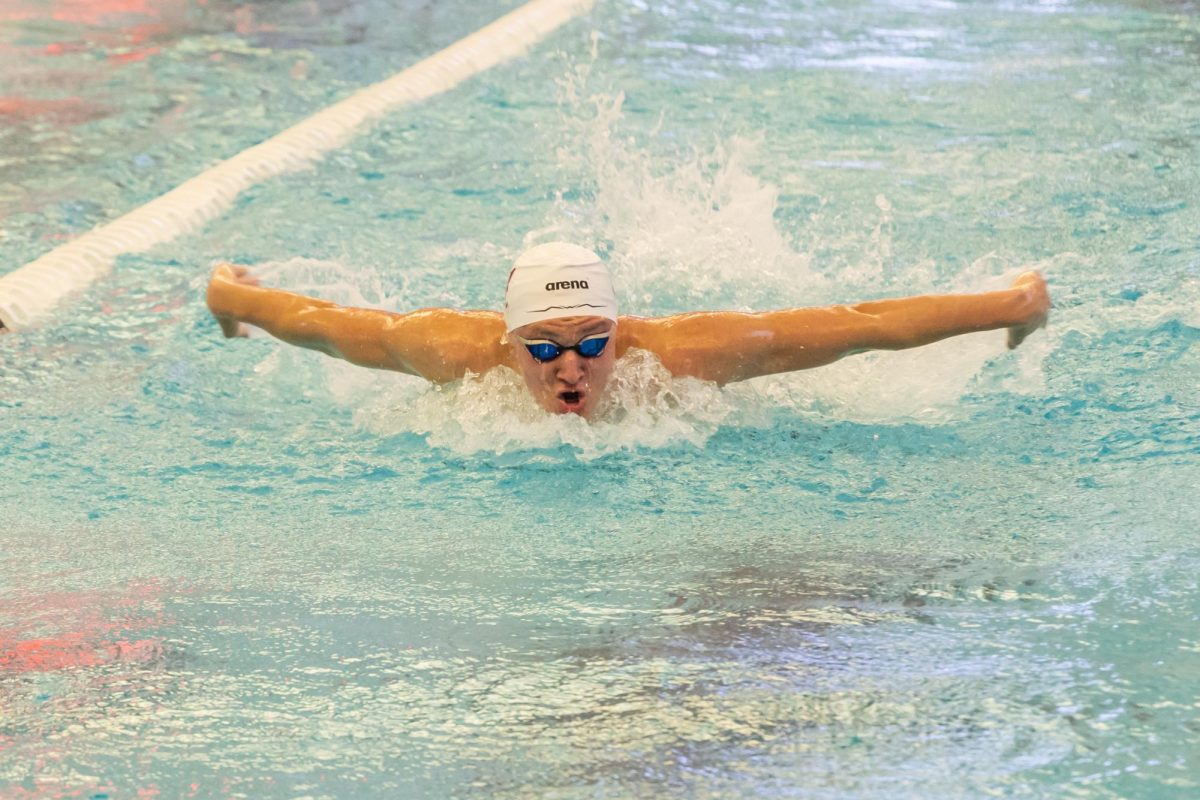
<point x="591" y="330"/>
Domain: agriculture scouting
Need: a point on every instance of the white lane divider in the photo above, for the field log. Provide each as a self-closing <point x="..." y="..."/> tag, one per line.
<point x="32" y="290"/>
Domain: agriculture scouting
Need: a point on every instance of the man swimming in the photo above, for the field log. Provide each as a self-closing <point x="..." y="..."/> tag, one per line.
<point x="560" y="329"/>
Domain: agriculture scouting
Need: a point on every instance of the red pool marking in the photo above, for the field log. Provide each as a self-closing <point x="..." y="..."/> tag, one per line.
<point x="90" y="628"/>
<point x="85" y="12"/>
<point x="62" y="48"/>
<point x="93" y="12"/>
<point x="72" y="650"/>
<point x="141" y="33"/>
<point x="71" y="110"/>
<point x="132" y="55"/>
<point x="127" y="27"/>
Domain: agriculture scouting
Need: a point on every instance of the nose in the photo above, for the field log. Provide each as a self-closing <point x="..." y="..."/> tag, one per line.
<point x="571" y="367"/>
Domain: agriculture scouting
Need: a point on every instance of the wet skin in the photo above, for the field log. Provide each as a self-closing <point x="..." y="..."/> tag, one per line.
<point x="443" y="345"/>
<point x="570" y="384"/>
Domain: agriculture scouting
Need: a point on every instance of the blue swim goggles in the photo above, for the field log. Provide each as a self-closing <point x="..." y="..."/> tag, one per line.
<point x="543" y="350"/>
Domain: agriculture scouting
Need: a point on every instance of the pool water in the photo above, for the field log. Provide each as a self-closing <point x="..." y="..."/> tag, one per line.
<point x="234" y="569"/>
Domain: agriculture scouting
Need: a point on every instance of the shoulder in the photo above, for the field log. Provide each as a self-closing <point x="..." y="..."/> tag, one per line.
<point x="472" y="330"/>
<point x="677" y="330"/>
<point x="443" y="344"/>
<point x="691" y="344"/>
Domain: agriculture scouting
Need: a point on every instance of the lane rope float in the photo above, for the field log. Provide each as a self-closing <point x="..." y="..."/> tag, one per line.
<point x="30" y="291"/>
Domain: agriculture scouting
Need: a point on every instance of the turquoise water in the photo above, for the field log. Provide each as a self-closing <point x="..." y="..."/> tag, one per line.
<point x="234" y="569"/>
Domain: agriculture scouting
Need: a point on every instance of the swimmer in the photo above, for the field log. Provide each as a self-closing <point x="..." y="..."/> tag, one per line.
<point x="561" y="332"/>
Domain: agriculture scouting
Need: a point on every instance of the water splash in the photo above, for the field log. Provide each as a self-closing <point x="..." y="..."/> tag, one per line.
<point x="692" y="228"/>
<point x="682" y="231"/>
<point x="645" y="407"/>
<point x="695" y="229"/>
<point x="340" y="283"/>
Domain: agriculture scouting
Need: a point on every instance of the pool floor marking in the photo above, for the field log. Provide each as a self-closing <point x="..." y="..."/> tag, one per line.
<point x="32" y="290"/>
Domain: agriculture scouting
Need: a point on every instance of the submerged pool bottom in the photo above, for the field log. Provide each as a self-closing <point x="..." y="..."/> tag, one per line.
<point x="806" y="607"/>
<point x="234" y="569"/>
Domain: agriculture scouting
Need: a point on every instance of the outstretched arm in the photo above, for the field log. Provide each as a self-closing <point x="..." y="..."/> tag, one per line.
<point x="440" y="345"/>
<point x="726" y="347"/>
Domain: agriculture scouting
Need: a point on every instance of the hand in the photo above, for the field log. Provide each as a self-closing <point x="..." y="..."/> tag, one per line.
<point x="1036" y="302"/>
<point x="226" y="273"/>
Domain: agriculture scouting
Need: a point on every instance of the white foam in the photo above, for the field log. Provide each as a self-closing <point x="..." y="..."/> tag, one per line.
<point x="697" y="230"/>
<point x="645" y="407"/>
<point x="684" y="233"/>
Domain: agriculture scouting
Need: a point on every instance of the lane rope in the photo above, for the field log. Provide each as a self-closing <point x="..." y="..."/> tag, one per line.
<point x="32" y="290"/>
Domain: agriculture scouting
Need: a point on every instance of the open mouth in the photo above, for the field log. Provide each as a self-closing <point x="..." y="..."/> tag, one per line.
<point x="571" y="400"/>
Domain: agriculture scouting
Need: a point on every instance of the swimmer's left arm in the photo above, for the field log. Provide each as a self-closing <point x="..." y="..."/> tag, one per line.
<point x="727" y="347"/>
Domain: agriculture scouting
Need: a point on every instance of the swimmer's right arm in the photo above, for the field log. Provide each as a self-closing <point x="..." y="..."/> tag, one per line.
<point x="439" y="345"/>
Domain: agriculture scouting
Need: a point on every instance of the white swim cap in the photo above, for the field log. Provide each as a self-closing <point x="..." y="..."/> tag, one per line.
<point x="558" y="280"/>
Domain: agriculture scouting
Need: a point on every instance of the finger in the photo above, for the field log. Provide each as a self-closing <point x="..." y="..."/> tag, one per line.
<point x="244" y="275"/>
<point x="1031" y="280"/>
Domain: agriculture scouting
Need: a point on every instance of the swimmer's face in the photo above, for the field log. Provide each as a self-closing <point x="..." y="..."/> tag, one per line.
<point x="571" y="383"/>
